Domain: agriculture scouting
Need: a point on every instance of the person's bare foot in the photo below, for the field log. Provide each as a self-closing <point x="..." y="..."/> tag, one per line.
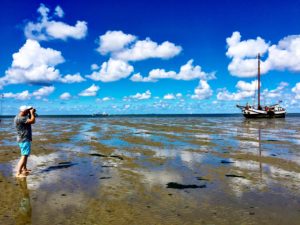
<point x="20" y="175"/>
<point x="26" y="171"/>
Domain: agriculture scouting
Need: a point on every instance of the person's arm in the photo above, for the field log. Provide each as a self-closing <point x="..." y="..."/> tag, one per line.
<point x="32" y="117"/>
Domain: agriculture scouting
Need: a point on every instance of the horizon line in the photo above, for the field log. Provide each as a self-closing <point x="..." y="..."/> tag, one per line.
<point x="140" y="114"/>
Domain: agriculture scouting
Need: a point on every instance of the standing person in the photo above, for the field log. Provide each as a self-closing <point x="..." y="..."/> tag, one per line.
<point x="23" y="122"/>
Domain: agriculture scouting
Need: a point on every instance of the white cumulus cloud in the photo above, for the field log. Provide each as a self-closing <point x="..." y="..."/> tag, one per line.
<point x="113" y="41"/>
<point x="105" y="99"/>
<point x="24" y="95"/>
<point x="43" y="92"/>
<point x="127" y="47"/>
<point x="47" y="29"/>
<point x="245" y="86"/>
<point x="186" y="72"/>
<point x="138" y="78"/>
<point x="178" y="95"/>
<point x="123" y="48"/>
<point x="65" y="96"/>
<point x="282" y="56"/>
<point x="285" y="55"/>
<point x="147" y="49"/>
<point x="247" y="48"/>
<point x="91" y="91"/>
<point x="33" y="64"/>
<point x="245" y="90"/>
<point x="112" y="70"/>
<point x="296" y="90"/>
<point x="76" y="78"/>
<point x="169" y="97"/>
<point x="58" y="11"/>
<point x="275" y="93"/>
<point x="141" y="96"/>
<point x="202" y="91"/>
<point x="32" y="54"/>
<point x="94" y="67"/>
<point x="246" y="67"/>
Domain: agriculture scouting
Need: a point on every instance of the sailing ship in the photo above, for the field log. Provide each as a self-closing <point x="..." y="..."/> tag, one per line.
<point x="268" y="111"/>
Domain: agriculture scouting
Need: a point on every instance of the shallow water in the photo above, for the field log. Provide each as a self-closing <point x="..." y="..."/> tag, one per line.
<point x="154" y="170"/>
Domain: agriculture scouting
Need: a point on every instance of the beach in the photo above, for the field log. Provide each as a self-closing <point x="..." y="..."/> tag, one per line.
<point x="153" y="170"/>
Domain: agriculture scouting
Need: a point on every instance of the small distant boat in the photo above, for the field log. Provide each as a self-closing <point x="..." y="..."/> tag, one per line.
<point x="270" y="111"/>
<point x="100" y="114"/>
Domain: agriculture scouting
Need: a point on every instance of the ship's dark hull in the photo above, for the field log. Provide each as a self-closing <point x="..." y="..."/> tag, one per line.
<point x="251" y="112"/>
<point x="258" y="116"/>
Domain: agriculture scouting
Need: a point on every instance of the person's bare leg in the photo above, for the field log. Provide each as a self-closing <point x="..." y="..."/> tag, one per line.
<point x="21" y="166"/>
<point x="24" y="169"/>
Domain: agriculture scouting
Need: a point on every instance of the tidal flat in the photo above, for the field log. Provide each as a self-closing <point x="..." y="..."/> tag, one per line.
<point x="153" y="170"/>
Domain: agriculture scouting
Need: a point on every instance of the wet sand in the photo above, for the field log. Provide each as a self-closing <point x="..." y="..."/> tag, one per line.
<point x="151" y="170"/>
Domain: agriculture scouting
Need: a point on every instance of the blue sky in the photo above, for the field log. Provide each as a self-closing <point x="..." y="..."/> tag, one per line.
<point x="124" y="57"/>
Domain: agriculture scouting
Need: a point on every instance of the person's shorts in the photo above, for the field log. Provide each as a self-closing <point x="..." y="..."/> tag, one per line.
<point x="25" y="148"/>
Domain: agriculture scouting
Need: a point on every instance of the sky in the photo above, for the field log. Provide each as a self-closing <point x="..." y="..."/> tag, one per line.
<point x="136" y="57"/>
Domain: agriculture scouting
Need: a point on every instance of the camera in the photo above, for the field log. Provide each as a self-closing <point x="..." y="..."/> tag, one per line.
<point x="34" y="112"/>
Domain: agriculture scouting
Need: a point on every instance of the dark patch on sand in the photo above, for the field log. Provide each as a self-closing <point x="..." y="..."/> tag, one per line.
<point x="106" y="156"/>
<point x="117" y="156"/>
<point x="234" y="175"/>
<point x="62" y="165"/>
<point x="104" y="178"/>
<point x="202" y="178"/>
<point x="223" y="161"/>
<point x="184" y="186"/>
<point x="98" y="155"/>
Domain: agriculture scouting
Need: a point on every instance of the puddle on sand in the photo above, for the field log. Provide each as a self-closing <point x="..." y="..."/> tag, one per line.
<point x="155" y="170"/>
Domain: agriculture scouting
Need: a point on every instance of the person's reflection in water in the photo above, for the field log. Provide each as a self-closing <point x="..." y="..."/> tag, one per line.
<point x="24" y="214"/>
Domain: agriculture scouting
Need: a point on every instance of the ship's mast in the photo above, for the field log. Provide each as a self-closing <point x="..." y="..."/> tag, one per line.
<point x="1" y="97"/>
<point x="258" y="82"/>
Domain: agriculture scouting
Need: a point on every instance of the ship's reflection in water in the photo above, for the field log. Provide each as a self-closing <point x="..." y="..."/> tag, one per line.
<point x="268" y="153"/>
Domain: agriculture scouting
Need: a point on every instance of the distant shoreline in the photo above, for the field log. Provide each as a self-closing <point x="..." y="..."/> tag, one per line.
<point x="146" y="115"/>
